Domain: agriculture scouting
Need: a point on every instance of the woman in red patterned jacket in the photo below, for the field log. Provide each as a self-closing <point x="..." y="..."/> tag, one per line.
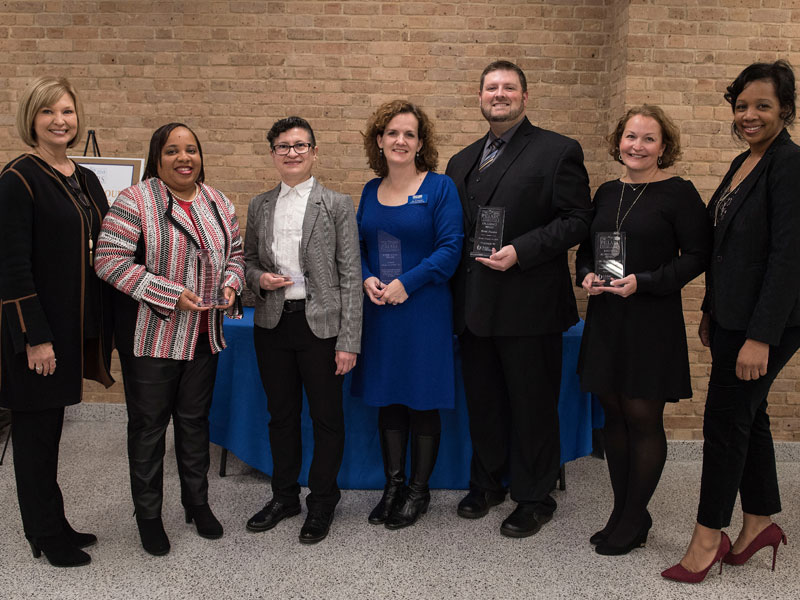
<point x="168" y="340"/>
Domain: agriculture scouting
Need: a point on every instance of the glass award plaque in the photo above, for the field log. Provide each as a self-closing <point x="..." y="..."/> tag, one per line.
<point x="390" y="257"/>
<point x="609" y="257"/>
<point x="488" y="230"/>
<point x="295" y="277"/>
<point x="209" y="277"/>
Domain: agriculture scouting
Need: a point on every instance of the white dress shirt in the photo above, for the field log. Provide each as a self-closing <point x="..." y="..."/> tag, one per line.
<point x="287" y="234"/>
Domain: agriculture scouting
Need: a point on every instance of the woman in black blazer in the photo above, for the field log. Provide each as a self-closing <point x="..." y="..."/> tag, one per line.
<point x="751" y="321"/>
<point x="54" y="308"/>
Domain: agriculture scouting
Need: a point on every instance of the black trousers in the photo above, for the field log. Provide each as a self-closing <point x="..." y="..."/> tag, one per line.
<point x="738" y="454"/>
<point x="155" y="390"/>
<point x="512" y="385"/>
<point x="291" y="357"/>
<point x="36" y="436"/>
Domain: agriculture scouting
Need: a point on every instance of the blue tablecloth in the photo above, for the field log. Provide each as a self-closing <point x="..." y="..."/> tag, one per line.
<point x="239" y="418"/>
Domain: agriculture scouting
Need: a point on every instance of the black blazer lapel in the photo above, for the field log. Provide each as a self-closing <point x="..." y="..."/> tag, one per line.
<point x="466" y="162"/>
<point x="747" y="184"/>
<point x="495" y="173"/>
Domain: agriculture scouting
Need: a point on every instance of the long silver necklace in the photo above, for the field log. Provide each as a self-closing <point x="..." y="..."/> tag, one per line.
<point x="619" y="207"/>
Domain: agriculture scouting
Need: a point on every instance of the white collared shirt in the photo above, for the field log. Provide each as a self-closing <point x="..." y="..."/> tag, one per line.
<point x="287" y="234"/>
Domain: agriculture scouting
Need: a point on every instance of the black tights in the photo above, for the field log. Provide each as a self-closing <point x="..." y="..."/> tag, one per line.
<point x="402" y="418"/>
<point x="636" y="449"/>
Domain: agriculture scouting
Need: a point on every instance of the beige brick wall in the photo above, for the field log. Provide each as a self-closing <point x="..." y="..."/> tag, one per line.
<point x="230" y="68"/>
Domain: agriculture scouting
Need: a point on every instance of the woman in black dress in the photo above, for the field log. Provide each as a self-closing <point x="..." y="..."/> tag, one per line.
<point x="751" y="321"/>
<point x="634" y="355"/>
<point x="54" y="308"/>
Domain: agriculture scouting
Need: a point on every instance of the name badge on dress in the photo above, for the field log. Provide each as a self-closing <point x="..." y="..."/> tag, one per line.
<point x="418" y="199"/>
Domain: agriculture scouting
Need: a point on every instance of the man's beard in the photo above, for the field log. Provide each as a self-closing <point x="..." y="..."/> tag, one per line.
<point x="511" y="116"/>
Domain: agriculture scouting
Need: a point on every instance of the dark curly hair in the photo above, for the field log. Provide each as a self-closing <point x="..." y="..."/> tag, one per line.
<point x="157" y="143"/>
<point x="428" y="157"/>
<point x="781" y="75"/>
<point x="283" y="125"/>
<point x="670" y="133"/>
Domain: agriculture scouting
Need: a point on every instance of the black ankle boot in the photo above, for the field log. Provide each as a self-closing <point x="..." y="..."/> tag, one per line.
<point x="393" y="449"/>
<point x="207" y="524"/>
<point x="424" y="449"/>
<point x="154" y="538"/>
<point x="77" y="539"/>
<point x="59" y="551"/>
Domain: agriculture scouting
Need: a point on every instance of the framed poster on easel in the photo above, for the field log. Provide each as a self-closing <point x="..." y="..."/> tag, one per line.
<point x="115" y="174"/>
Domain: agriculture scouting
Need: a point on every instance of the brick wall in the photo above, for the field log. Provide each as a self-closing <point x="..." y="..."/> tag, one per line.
<point x="230" y="68"/>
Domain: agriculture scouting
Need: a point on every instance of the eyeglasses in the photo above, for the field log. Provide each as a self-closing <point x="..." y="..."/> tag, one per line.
<point x="299" y="148"/>
<point x="79" y="193"/>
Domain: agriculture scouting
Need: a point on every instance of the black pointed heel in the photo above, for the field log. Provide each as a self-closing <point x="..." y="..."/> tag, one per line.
<point x="58" y="551"/>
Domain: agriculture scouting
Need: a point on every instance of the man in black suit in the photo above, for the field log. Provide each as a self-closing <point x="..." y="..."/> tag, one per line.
<point x="512" y="307"/>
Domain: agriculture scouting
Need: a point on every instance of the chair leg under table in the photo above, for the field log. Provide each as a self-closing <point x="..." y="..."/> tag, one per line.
<point x="223" y="462"/>
<point x="5" y="446"/>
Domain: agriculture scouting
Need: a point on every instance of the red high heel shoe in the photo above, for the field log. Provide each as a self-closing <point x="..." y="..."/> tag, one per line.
<point x="771" y="536"/>
<point x="679" y="573"/>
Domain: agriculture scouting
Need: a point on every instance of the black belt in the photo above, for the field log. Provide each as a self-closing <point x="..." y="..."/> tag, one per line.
<point x="290" y="306"/>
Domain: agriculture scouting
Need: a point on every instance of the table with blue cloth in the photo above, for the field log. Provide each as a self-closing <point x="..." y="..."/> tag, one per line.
<point x="239" y="418"/>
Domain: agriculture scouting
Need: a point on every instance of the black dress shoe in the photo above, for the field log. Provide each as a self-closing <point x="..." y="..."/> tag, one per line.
<point x="316" y="527"/>
<point x="476" y="504"/>
<point x="207" y="524"/>
<point x="273" y="513"/>
<point x="638" y="541"/>
<point x="523" y="522"/>
<point x="154" y="538"/>
<point x="598" y="537"/>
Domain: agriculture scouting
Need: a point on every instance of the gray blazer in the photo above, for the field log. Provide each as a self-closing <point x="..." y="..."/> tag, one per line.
<point x="330" y="260"/>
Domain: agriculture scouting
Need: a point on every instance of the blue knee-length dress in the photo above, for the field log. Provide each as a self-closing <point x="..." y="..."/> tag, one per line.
<point x="407" y="349"/>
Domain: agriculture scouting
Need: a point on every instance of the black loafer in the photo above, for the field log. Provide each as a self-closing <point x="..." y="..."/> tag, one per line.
<point x="523" y="522"/>
<point x="273" y="513"/>
<point x="316" y="527"/>
<point x="476" y="504"/>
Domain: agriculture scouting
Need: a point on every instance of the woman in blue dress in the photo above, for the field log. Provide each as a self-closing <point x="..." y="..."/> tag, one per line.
<point x="410" y="227"/>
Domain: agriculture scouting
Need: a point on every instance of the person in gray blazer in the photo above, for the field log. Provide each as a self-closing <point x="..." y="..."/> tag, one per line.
<point x="304" y="266"/>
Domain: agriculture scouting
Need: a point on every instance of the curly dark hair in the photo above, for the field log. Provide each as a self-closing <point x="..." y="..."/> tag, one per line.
<point x="157" y="143"/>
<point x="283" y="125"/>
<point x="670" y="133"/>
<point x="781" y="75"/>
<point x="428" y="157"/>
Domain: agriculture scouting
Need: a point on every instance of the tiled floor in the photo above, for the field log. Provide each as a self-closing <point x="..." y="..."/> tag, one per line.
<point x="443" y="556"/>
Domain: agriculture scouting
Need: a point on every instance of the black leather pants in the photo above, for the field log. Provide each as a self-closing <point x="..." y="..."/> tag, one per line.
<point x="155" y="389"/>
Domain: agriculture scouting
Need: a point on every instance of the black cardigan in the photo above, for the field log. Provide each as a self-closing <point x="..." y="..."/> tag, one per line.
<point x="43" y="266"/>
<point x="753" y="282"/>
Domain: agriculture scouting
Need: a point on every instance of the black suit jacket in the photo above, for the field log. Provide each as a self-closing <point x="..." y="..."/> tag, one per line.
<point x="753" y="283"/>
<point x="541" y="181"/>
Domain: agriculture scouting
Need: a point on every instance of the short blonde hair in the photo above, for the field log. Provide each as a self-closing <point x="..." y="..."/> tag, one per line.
<point x="41" y="92"/>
